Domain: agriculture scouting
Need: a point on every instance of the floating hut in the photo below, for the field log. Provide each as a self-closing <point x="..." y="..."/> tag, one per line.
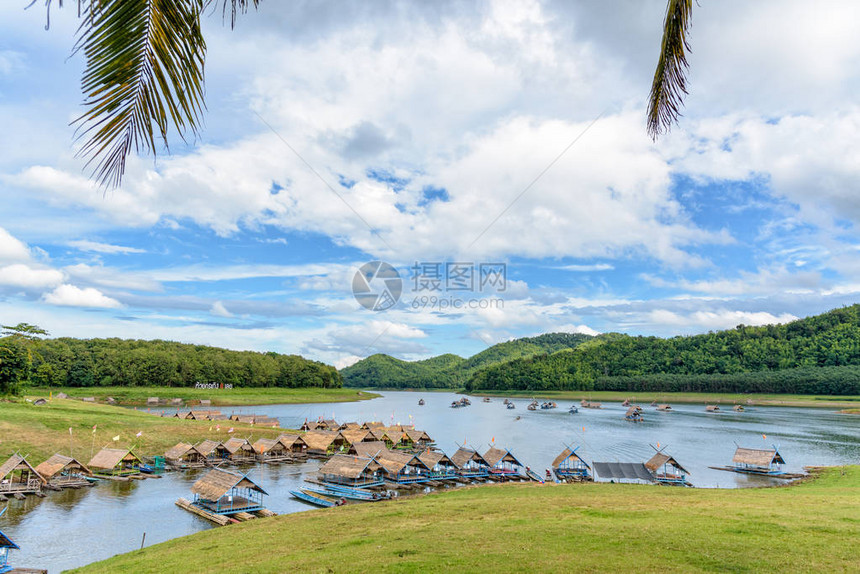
<point x="224" y="492"/>
<point x="712" y="408"/>
<point x="373" y="425"/>
<point x="241" y="451"/>
<point x="664" y="408"/>
<point x="205" y="402"/>
<point x="367" y="449"/>
<point x="441" y="467"/>
<point x="621" y="471"/>
<point x="271" y="450"/>
<point x="403" y="468"/>
<point x="176" y="402"/>
<point x="739" y="408"/>
<point x="296" y="446"/>
<point x="634" y="414"/>
<point x="352" y="471"/>
<point x="470" y="463"/>
<point x="201" y="415"/>
<point x="18" y="477"/>
<point x="353" y="436"/>
<point x="62" y="471"/>
<point x="115" y="462"/>
<point x="184" y="455"/>
<point x="321" y="442"/>
<point x="570" y="466"/>
<point x="590" y="405"/>
<point x="419" y="438"/>
<point x="397" y="439"/>
<point x="758" y="461"/>
<point x="667" y="470"/>
<point x="349" y="426"/>
<point x="213" y="450"/>
<point x="502" y="462"/>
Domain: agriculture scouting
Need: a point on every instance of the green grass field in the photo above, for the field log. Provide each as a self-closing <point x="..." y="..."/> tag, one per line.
<point x="41" y="431"/>
<point x="238" y="396"/>
<point x="827" y="401"/>
<point x="809" y="527"/>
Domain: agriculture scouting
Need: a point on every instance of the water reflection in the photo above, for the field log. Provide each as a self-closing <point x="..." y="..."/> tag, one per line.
<point x="75" y="527"/>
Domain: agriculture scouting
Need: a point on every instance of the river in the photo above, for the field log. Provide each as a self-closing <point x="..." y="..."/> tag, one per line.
<point x="75" y="527"/>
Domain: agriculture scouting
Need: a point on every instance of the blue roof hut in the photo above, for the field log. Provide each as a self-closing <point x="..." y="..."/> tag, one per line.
<point x="570" y="466"/>
<point x="224" y="492"/>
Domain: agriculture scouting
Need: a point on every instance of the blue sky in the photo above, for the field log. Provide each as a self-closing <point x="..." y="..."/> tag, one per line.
<point x="427" y="126"/>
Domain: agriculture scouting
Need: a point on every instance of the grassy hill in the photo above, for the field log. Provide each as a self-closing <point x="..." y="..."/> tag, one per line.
<point x="451" y="371"/>
<point x="808" y="527"/>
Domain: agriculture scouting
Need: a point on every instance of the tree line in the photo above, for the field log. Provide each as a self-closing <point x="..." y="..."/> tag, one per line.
<point x="28" y="360"/>
<point x="816" y="355"/>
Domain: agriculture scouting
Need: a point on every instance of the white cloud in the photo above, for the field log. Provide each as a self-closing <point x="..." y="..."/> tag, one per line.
<point x="723" y="319"/>
<point x="584" y="329"/>
<point x="96" y="247"/>
<point x="25" y="276"/>
<point x="11" y="248"/>
<point x="112" y="277"/>
<point x="588" y="268"/>
<point x="71" y="296"/>
<point x="219" y="310"/>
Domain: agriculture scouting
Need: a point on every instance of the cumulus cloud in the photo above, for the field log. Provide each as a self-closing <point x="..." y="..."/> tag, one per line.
<point x="28" y="277"/>
<point x="11" y="248"/>
<point x="70" y="296"/>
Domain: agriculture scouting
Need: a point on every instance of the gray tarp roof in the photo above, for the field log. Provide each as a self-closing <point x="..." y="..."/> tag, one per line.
<point x="628" y="470"/>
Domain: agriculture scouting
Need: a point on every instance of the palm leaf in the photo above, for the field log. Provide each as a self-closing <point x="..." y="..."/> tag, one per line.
<point x="670" y="78"/>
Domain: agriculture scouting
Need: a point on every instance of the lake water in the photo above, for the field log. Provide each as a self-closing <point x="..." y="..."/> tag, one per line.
<point x="76" y="527"/>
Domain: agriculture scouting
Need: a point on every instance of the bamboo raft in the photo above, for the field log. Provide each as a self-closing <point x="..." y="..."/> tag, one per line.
<point x="221" y="519"/>
<point x="782" y="475"/>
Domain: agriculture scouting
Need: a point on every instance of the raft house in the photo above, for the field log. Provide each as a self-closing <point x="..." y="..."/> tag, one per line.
<point x="271" y="450"/>
<point x="224" y="497"/>
<point x="712" y="408"/>
<point x="184" y="455"/>
<point x="61" y="471"/>
<point x="352" y="471"/>
<point x="115" y="463"/>
<point x="664" y="408"/>
<point x="502" y="463"/>
<point x="213" y="450"/>
<point x="762" y="462"/>
<point x="471" y="465"/>
<point x="440" y="465"/>
<point x="240" y="450"/>
<point x="18" y="477"/>
<point x="590" y="405"/>
<point x="634" y="414"/>
<point x="568" y="465"/>
<point x="667" y="470"/>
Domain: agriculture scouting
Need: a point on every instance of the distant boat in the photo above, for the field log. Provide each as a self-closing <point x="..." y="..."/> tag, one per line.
<point x="317" y="499"/>
<point x="712" y="408"/>
<point x="573" y="410"/>
<point x="510" y="406"/>
<point x="739" y="408"/>
<point x="664" y="408"/>
<point x="532" y="407"/>
<point x="486" y="399"/>
<point x="420" y="402"/>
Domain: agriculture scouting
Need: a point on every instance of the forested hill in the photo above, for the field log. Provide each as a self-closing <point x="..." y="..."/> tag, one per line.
<point x="816" y="355"/>
<point x="450" y="371"/>
<point x="120" y="362"/>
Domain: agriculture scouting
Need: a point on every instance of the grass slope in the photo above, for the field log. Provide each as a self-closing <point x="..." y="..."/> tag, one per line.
<point x="41" y="431"/>
<point x="810" y="527"/>
<point x="237" y="396"/>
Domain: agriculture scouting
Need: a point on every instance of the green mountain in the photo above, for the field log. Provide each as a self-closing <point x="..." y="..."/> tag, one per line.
<point x="451" y="371"/>
<point x="815" y="355"/>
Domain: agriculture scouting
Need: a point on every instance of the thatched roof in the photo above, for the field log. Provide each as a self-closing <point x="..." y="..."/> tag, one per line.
<point x="712" y="408"/>
<point x="395" y="461"/>
<point x="15" y="462"/>
<point x="245" y="419"/>
<point x="373" y="425"/>
<point x="216" y="483"/>
<point x="58" y="463"/>
<point x="108" y="458"/>
<point x="353" y="436"/>
<point x="464" y="455"/>
<point x="319" y="439"/>
<point x="369" y="449"/>
<point x="756" y="457"/>
<point x="288" y="440"/>
<point x="433" y="457"/>
<point x="664" y="407"/>
<point x="633" y="412"/>
<point x="395" y="436"/>
<point x="418" y="435"/>
<point x="202" y="415"/>
<point x="236" y="444"/>
<point x="349" y="466"/>
<point x="264" y="445"/>
<point x="659" y="459"/>
<point x="207" y="447"/>
<point x="377" y="433"/>
<point x="496" y="455"/>
<point x="565" y="454"/>
<point x="350" y="426"/>
<point x="180" y="450"/>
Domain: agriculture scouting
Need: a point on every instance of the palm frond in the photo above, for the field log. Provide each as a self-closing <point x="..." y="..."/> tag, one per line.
<point x="144" y="71"/>
<point x="670" y="78"/>
<point x="236" y="7"/>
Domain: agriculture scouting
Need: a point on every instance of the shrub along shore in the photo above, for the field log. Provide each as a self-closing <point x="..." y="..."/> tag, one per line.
<point x="807" y="527"/>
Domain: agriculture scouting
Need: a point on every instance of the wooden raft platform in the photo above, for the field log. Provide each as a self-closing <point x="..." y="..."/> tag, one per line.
<point x="221" y="519"/>
<point x="784" y="475"/>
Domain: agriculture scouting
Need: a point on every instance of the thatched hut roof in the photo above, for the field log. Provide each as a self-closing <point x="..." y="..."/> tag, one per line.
<point x="17" y="462"/>
<point x="464" y="455"/>
<point x="328" y="424"/>
<point x="373" y="425"/>
<point x="712" y="408"/>
<point x="664" y="407"/>
<point x="565" y="454"/>
<point x="659" y="459"/>
<point x="265" y="445"/>
<point x="633" y="412"/>
<point x="350" y="426"/>
<point x="58" y="463"/>
<point x="108" y="458"/>
<point x="377" y="433"/>
<point x="433" y="457"/>
<point x="288" y="440"/>
<point x="217" y="482"/>
<point x="757" y="457"/>
<point x="207" y="447"/>
<point x="394" y="462"/>
<point x="353" y="436"/>
<point x="349" y="466"/>
<point x="496" y="455"/>
<point x="235" y="444"/>
<point x="319" y="440"/>
<point x="368" y="449"/>
<point x="180" y="450"/>
<point x="202" y="415"/>
<point x="418" y="435"/>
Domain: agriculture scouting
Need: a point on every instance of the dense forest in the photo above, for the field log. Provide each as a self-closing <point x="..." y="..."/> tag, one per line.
<point x="816" y="355"/>
<point x="28" y="360"/>
<point x="451" y="371"/>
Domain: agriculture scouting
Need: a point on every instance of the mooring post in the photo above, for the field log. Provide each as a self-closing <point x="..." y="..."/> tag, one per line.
<point x="142" y="540"/>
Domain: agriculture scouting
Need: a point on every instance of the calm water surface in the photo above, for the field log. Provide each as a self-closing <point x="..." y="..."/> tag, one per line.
<point x="72" y="528"/>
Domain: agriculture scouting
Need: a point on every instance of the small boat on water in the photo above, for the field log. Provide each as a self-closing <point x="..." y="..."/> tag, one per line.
<point x="325" y="492"/>
<point x="317" y="499"/>
<point x="573" y="410"/>
<point x="420" y="402"/>
<point x="486" y="399"/>
<point x="739" y="408"/>
<point x="664" y="408"/>
<point x="712" y="408"/>
<point x="510" y="406"/>
<point x="589" y="405"/>
<point x="626" y="403"/>
<point x="549" y="405"/>
<point x="532" y="407"/>
<point x="354" y="493"/>
<point x="506" y="401"/>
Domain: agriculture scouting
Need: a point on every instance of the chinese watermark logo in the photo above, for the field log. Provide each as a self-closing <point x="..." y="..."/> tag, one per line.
<point x="377" y="286"/>
<point x="435" y="285"/>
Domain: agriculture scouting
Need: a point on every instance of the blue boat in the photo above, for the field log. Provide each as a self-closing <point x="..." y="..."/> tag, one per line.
<point x="370" y="497"/>
<point x="356" y="493"/>
<point x="315" y="499"/>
